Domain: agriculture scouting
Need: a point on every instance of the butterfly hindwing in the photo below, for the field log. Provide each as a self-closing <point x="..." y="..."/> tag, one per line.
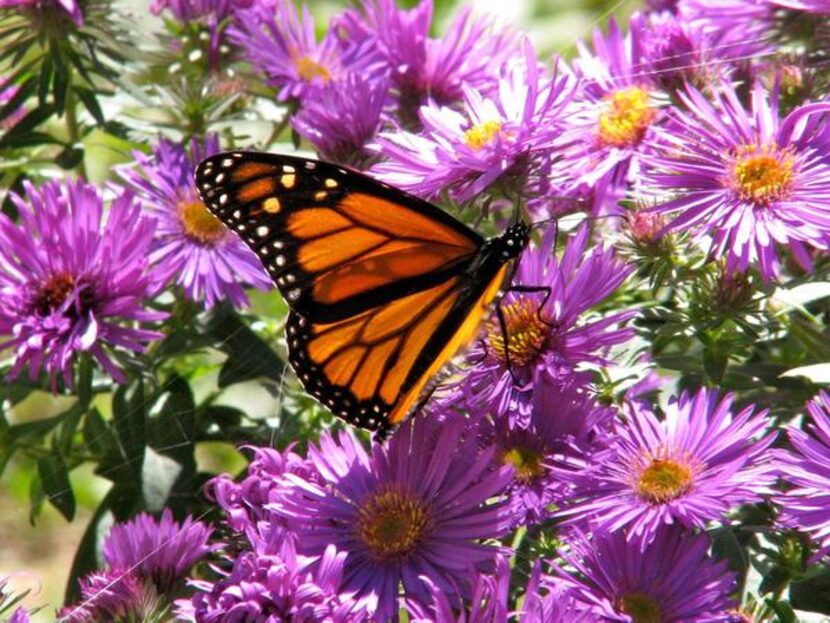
<point x="334" y="241"/>
<point x="370" y="369"/>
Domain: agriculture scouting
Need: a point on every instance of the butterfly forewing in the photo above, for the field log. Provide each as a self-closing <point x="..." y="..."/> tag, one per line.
<point x="334" y="241"/>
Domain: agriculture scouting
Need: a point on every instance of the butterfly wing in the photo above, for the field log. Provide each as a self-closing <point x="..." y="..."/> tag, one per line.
<point x="371" y="368"/>
<point x="336" y="243"/>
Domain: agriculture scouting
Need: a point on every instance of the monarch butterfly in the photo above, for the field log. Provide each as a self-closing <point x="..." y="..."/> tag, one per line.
<point x="383" y="287"/>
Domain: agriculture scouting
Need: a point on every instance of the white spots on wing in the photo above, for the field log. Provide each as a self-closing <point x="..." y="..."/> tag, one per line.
<point x="287" y="168"/>
<point x="227" y="163"/>
<point x="262" y="231"/>
<point x="330" y="183"/>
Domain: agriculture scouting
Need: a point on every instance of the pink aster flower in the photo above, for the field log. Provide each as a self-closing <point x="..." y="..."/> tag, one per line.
<point x="807" y="505"/>
<point x="417" y="507"/>
<point x="748" y="181"/>
<point x="673" y="580"/>
<point x="504" y="138"/>
<point x="691" y="468"/>
<point x="192" y="247"/>
<point x="548" y="334"/>
<point x="58" y="302"/>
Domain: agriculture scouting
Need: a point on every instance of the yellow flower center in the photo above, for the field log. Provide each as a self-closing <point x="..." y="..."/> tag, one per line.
<point x="199" y="224"/>
<point x="527" y="463"/>
<point x="392" y="523"/>
<point x="762" y="173"/>
<point x="526" y="332"/>
<point x="309" y="69"/>
<point x="482" y="134"/>
<point x="664" y="480"/>
<point x="641" y="608"/>
<point x="627" y="118"/>
<point x="54" y="292"/>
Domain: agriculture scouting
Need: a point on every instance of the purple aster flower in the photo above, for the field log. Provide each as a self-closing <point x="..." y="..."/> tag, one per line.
<point x="690" y="468"/>
<point x="57" y="302"/>
<point x="749" y="181"/>
<point x="565" y="424"/>
<point x="672" y="581"/>
<point x="671" y="50"/>
<point x="275" y="588"/>
<point x="489" y="602"/>
<point x="548" y="334"/>
<point x="500" y="139"/>
<point x="192" y="246"/>
<point x="190" y="10"/>
<point x="748" y="25"/>
<point x="343" y="117"/>
<point x="615" y="112"/>
<point x="245" y="501"/>
<point x="283" y="47"/>
<point x="415" y="507"/>
<point x="807" y="467"/>
<point x="7" y="93"/>
<point x="69" y="8"/>
<point x="20" y="615"/>
<point x="161" y="551"/>
<point x="423" y="68"/>
<point x="115" y="594"/>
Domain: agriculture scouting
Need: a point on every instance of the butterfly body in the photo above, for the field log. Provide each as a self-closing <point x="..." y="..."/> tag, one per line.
<point x="383" y="287"/>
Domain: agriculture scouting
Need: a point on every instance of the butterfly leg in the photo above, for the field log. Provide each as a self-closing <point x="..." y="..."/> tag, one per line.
<point x="505" y="342"/>
<point x="535" y="290"/>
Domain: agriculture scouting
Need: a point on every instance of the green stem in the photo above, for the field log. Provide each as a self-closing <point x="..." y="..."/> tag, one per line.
<point x="72" y="128"/>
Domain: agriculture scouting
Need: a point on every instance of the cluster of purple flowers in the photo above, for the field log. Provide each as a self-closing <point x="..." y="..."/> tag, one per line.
<point x="683" y="115"/>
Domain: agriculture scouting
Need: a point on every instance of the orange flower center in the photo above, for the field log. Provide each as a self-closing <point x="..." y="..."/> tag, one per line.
<point x="762" y="173"/>
<point x="641" y="608"/>
<point x="309" y="69"/>
<point x="199" y="224"/>
<point x="526" y="332"/>
<point x="664" y="480"/>
<point x="526" y="462"/>
<point x="392" y="523"/>
<point x="627" y="117"/>
<point x="482" y="134"/>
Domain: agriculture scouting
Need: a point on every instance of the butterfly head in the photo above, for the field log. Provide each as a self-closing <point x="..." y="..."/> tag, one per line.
<point x="513" y="241"/>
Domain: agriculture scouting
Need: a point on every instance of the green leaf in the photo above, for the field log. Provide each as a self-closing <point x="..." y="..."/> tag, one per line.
<point x="174" y="429"/>
<point x="86" y="556"/>
<point x="725" y="546"/>
<point x="90" y="102"/>
<point x="248" y="356"/>
<point x="54" y="478"/>
<point x="812" y="594"/>
<point x="25" y="126"/>
<point x="98" y="436"/>
<point x="130" y="420"/>
<point x="158" y="476"/>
